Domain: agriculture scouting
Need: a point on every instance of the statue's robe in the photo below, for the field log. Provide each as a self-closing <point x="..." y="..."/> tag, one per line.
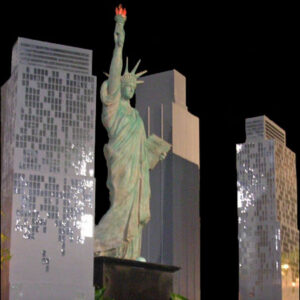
<point x="119" y="231"/>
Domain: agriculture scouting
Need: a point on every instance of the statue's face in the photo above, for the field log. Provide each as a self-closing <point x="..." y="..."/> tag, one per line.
<point x="127" y="91"/>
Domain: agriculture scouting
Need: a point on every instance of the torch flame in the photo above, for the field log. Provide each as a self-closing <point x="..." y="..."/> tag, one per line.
<point x="121" y="11"/>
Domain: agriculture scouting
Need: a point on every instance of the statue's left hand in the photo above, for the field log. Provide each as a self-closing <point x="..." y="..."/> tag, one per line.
<point x="163" y="155"/>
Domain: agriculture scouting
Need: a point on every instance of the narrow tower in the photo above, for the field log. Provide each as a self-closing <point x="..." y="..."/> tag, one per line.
<point x="172" y="236"/>
<point x="47" y="172"/>
<point x="267" y="214"/>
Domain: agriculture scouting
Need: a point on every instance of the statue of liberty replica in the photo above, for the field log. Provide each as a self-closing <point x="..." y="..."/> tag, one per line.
<point x="129" y="155"/>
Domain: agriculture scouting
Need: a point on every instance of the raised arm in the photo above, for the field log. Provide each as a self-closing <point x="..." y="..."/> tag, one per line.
<point x="115" y="70"/>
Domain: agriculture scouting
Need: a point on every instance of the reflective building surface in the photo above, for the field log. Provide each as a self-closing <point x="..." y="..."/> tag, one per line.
<point x="267" y="214"/>
<point x="47" y="175"/>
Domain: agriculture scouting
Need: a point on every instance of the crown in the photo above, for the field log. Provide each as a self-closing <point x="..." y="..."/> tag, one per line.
<point x="131" y="77"/>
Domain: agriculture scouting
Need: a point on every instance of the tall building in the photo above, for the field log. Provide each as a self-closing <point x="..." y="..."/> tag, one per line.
<point x="172" y="236"/>
<point x="267" y="214"/>
<point x="47" y="172"/>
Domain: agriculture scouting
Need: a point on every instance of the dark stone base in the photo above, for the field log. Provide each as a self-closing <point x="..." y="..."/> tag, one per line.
<point x="133" y="280"/>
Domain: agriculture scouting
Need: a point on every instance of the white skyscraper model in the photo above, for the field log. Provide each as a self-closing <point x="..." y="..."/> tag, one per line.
<point x="267" y="214"/>
<point x="47" y="173"/>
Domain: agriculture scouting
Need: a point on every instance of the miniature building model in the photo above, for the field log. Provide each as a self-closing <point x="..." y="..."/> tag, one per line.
<point x="47" y="175"/>
<point x="172" y="236"/>
<point x="267" y="214"/>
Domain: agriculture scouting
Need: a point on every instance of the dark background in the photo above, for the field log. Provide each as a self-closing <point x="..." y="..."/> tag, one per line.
<point x="240" y="61"/>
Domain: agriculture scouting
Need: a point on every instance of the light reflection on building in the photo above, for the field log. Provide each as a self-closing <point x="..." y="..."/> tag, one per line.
<point x="267" y="214"/>
<point x="48" y="111"/>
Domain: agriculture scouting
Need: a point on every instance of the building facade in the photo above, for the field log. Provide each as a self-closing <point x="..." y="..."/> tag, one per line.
<point x="47" y="172"/>
<point x="267" y="214"/>
<point x="172" y="236"/>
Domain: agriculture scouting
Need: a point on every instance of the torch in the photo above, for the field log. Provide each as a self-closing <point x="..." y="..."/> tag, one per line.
<point x="120" y="16"/>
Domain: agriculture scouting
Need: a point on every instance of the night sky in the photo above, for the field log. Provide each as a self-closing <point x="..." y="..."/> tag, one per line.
<point x="240" y="61"/>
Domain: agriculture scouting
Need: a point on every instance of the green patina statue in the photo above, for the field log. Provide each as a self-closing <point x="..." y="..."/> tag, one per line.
<point x="129" y="155"/>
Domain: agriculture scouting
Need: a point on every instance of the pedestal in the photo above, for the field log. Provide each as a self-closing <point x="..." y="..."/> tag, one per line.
<point x="134" y="280"/>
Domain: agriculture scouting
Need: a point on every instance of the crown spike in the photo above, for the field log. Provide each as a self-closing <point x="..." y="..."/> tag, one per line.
<point x="126" y="68"/>
<point x="135" y="68"/>
<point x="106" y="74"/>
<point x="140" y="74"/>
<point x="139" y="81"/>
